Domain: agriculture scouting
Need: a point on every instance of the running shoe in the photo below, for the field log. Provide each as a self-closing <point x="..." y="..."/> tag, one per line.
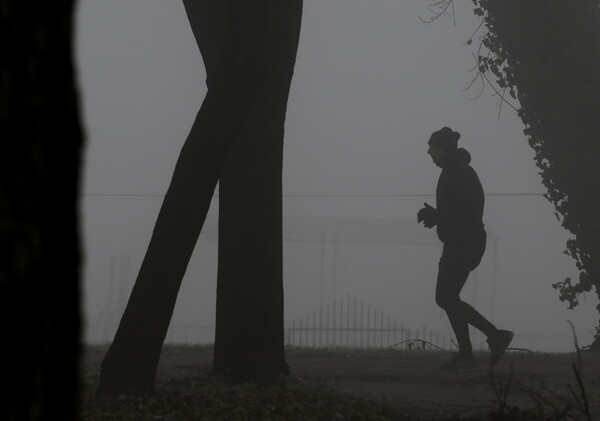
<point x="498" y="344"/>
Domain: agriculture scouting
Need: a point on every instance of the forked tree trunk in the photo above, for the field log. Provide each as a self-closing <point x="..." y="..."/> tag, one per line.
<point x="249" y="323"/>
<point x="232" y="38"/>
<point x="39" y="241"/>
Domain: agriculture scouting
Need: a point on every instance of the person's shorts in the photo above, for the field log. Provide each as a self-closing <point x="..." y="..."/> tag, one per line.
<point x="466" y="254"/>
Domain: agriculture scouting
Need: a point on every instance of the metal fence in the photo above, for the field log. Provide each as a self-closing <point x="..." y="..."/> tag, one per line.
<point x="348" y="322"/>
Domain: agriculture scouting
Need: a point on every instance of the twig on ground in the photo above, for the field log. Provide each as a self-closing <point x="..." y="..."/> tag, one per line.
<point x="521" y="349"/>
<point x="582" y="403"/>
<point x="577" y="349"/>
<point x="454" y="343"/>
<point x="417" y="340"/>
<point x="585" y="408"/>
<point x="501" y="391"/>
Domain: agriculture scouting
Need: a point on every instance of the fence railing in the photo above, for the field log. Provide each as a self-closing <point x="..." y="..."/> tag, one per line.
<point x="352" y="323"/>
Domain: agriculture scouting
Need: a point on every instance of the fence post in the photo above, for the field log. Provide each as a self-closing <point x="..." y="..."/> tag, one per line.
<point x="341" y="321"/>
<point x="354" y="323"/>
<point x="381" y="329"/>
<point x="327" y="328"/>
<point x="321" y="327"/>
<point x="306" y="336"/>
<point x="314" y="340"/>
<point x="334" y="320"/>
<point x="362" y="326"/>
<point x="348" y="321"/>
<point x="368" y="323"/>
<point x="388" y="330"/>
<point x="402" y="334"/>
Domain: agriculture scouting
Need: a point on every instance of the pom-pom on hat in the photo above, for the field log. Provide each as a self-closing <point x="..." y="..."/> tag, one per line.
<point x="446" y="139"/>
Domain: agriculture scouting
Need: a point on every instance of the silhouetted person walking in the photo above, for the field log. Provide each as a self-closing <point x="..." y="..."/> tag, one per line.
<point x="458" y="218"/>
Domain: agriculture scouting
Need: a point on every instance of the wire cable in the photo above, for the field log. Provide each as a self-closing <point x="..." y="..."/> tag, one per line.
<point x="319" y="196"/>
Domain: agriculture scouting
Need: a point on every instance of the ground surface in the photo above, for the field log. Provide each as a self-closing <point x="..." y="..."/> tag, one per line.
<point x="353" y="384"/>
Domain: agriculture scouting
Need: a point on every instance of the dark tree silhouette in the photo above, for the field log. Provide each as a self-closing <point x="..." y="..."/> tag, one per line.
<point x="547" y="54"/>
<point x="39" y="244"/>
<point x="249" y="321"/>
<point x="249" y="51"/>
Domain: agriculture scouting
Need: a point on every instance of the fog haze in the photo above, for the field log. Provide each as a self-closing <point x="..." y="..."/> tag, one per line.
<point x="372" y="81"/>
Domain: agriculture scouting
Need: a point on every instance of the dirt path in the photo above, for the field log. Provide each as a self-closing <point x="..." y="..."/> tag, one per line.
<point x="411" y="380"/>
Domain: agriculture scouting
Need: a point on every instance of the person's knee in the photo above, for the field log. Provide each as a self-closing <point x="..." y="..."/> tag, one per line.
<point x="444" y="301"/>
<point x="451" y="278"/>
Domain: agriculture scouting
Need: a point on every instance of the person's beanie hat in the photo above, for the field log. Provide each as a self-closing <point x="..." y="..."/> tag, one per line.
<point x="446" y="139"/>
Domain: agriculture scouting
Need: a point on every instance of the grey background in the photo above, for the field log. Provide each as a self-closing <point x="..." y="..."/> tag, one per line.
<point x="372" y="82"/>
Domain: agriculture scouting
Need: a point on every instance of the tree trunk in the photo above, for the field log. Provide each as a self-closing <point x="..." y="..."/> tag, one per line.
<point x="39" y="239"/>
<point x="249" y="341"/>
<point x="236" y="73"/>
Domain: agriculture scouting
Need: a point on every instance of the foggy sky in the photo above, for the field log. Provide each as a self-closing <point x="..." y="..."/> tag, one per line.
<point x="372" y="81"/>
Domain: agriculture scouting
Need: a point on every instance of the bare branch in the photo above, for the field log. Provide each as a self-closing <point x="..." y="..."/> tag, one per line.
<point x="470" y="40"/>
<point x="586" y="405"/>
<point x="438" y="9"/>
<point x="498" y="93"/>
<point x="577" y="349"/>
<point x="417" y="340"/>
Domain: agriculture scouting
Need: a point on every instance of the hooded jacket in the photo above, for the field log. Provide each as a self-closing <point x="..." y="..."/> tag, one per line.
<point x="460" y="201"/>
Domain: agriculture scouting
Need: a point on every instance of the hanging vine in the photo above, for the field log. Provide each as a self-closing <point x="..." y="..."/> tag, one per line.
<point x="546" y="57"/>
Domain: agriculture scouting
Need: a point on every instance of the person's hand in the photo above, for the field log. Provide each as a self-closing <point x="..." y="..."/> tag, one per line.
<point x="427" y="215"/>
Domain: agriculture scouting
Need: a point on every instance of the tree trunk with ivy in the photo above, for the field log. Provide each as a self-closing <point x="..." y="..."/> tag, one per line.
<point x="39" y="240"/>
<point x="547" y="54"/>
